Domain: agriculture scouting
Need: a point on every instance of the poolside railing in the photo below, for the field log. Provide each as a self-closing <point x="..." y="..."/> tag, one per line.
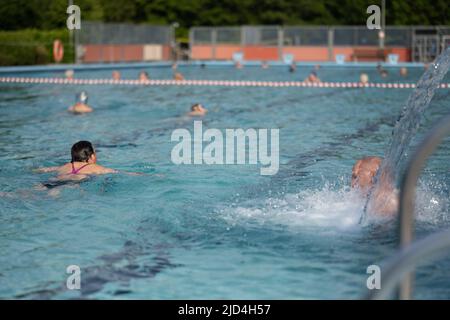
<point x="399" y="267"/>
<point x="318" y="43"/>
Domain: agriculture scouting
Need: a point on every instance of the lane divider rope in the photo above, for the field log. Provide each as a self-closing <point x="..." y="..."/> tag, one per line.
<point x="225" y="83"/>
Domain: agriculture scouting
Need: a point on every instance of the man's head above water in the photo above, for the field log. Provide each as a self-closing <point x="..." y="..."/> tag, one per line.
<point x="364" y="171"/>
<point x="384" y="198"/>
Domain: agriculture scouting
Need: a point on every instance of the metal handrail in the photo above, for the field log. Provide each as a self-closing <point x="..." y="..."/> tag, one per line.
<point x="406" y="259"/>
<point x="408" y="191"/>
<point x="400" y="266"/>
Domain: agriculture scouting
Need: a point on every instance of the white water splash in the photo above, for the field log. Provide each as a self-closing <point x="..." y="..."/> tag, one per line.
<point x="432" y="203"/>
<point x="321" y="208"/>
<point x="330" y="209"/>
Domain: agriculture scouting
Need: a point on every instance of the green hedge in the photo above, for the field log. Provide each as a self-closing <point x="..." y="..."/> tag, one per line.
<point x="30" y="47"/>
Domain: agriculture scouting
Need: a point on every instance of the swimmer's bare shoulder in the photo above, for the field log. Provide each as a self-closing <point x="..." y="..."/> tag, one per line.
<point x="104" y="170"/>
<point x="67" y="169"/>
<point x="80" y="108"/>
<point x="97" y="169"/>
<point x="46" y="169"/>
<point x="197" y="113"/>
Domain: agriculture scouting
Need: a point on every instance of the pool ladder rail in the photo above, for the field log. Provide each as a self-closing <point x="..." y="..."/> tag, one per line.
<point x="399" y="269"/>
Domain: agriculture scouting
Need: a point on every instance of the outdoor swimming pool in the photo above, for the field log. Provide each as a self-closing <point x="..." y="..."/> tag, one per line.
<point x="198" y="231"/>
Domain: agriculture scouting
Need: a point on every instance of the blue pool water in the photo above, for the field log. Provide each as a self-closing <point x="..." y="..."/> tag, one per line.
<point x="206" y="232"/>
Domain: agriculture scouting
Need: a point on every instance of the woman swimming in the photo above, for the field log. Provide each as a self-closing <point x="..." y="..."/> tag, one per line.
<point x="197" y="110"/>
<point x="83" y="164"/>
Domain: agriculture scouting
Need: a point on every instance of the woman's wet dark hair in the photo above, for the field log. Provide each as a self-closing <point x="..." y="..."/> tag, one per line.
<point x="82" y="151"/>
<point x="195" y="106"/>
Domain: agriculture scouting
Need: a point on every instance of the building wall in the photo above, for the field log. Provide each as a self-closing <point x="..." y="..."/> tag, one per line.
<point x="224" y="52"/>
<point x="124" y="53"/>
<point x="304" y="53"/>
<point x="152" y="52"/>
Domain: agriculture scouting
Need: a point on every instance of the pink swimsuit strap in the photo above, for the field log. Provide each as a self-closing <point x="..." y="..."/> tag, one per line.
<point x="76" y="171"/>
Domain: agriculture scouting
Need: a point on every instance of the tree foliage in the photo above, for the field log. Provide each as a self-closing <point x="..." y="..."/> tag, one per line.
<point x="51" y="14"/>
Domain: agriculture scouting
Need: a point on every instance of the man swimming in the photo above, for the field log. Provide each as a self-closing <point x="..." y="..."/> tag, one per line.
<point x="364" y="78"/>
<point x="116" y="75"/>
<point x="82" y="165"/>
<point x="178" y="76"/>
<point x="81" y="105"/>
<point x="197" y="110"/>
<point x="292" y="67"/>
<point x="69" y="74"/>
<point x="312" y="78"/>
<point x="384" y="199"/>
<point x="143" y="76"/>
<point x="383" y="72"/>
<point x="403" y="71"/>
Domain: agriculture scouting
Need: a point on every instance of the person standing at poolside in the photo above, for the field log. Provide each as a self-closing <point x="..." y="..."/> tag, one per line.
<point x="81" y="105"/>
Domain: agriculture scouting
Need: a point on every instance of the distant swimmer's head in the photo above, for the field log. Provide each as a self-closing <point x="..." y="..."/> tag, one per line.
<point x="293" y="67"/>
<point x="312" y="77"/>
<point x="178" y="76"/>
<point x="364" y="78"/>
<point x="403" y="71"/>
<point x="383" y="72"/>
<point x="364" y="171"/>
<point x="197" y="107"/>
<point x="82" y="97"/>
<point x="116" y="75"/>
<point x="69" y="74"/>
<point x="197" y="110"/>
<point x="143" y="76"/>
<point x="83" y="151"/>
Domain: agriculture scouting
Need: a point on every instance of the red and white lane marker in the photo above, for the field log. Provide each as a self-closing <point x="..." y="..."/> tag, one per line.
<point x="216" y="83"/>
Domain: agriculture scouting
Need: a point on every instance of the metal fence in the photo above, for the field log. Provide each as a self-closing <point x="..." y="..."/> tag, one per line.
<point x="299" y="35"/>
<point x="123" y="33"/>
<point x="424" y="43"/>
<point x="115" y="42"/>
